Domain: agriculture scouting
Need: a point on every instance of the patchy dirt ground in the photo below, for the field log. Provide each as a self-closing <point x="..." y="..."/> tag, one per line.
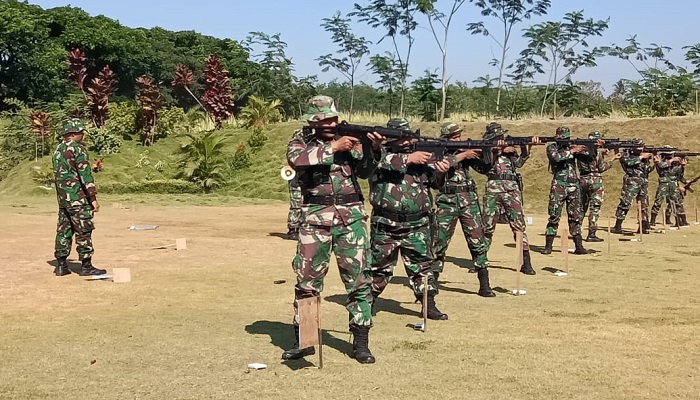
<point x="623" y="325"/>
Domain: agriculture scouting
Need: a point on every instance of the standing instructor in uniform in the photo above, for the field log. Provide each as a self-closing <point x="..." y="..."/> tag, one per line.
<point x="77" y="200"/>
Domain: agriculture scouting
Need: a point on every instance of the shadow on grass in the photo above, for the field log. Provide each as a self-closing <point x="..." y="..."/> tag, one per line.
<point x="383" y="304"/>
<point x="462" y="263"/>
<point x="73" y="266"/>
<point x="282" y="335"/>
<point x="278" y="235"/>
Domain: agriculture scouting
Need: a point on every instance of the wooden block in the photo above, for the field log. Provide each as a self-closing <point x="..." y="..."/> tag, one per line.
<point x="309" y="326"/>
<point x="181" y="244"/>
<point x="121" y="275"/>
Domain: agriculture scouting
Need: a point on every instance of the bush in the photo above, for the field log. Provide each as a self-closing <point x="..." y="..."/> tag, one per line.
<point x="103" y="141"/>
<point x="162" y="186"/>
<point x="43" y="174"/>
<point x="170" y="121"/>
<point x="122" y="119"/>
<point x="241" y="158"/>
<point x="256" y="140"/>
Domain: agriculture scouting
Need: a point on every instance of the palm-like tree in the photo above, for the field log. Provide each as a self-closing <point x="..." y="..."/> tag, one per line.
<point x="205" y="160"/>
<point x="258" y="112"/>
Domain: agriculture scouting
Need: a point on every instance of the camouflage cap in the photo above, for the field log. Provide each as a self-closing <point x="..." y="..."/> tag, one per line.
<point x="595" y="135"/>
<point x="493" y="130"/>
<point x="398" y="123"/>
<point x="320" y="108"/>
<point x="449" y="129"/>
<point x="564" y="132"/>
<point x="73" y="125"/>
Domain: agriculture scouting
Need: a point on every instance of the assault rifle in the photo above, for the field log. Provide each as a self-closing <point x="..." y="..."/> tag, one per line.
<point x="360" y="131"/>
<point x="688" y="184"/>
<point x="683" y="154"/>
<point x="440" y="147"/>
<point x="589" y="143"/>
<point x="658" y="150"/>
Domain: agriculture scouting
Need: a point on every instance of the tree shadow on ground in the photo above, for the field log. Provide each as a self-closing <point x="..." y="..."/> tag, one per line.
<point x="383" y="304"/>
<point x="533" y="248"/>
<point x="282" y="335"/>
<point x="278" y="235"/>
<point x="462" y="263"/>
<point x="73" y="266"/>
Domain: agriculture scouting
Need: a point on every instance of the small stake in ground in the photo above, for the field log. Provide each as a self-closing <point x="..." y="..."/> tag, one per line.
<point x="310" y="333"/>
<point x="565" y="247"/>
<point x="518" y="260"/>
<point x="641" y="219"/>
<point x="609" y="222"/>
<point x="663" y="217"/>
<point x="425" y="303"/>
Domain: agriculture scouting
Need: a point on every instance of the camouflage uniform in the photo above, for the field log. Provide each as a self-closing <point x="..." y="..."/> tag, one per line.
<point x="295" y="199"/>
<point x="75" y="191"/>
<point x="592" y="191"/>
<point x="635" y="185"/>
<point x="670" y="174"/>
<point x="565" y="187"/>
<point x="503" y="193"/>
<point x="332" y="219"/>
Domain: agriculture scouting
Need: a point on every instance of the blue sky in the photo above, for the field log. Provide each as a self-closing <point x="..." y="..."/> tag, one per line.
<point x="670" y="23"/>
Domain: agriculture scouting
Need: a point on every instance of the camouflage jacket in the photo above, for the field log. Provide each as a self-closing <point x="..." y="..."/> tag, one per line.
<point x="635" y="167"/>
<point x="588" y="165"/>
<point x="563" y="164"/>
<point x="667" y="170"/>
<point x="399" y="188"/>
<point x="678" y="173"/>
<point x="503" y="166"/>
<point x="323" y="173"/>
<point x="73" y="176"/>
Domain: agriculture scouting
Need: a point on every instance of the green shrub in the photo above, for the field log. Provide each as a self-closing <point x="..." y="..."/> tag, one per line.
<point x="122" y="119"/>
<point x="170" y="121"/>
<point x="256" y="140"/>
<point x="241" y="158"/>
<point x="43" y="174"/>
<point x="103" y="141"/>
<point x="162" y="186"/>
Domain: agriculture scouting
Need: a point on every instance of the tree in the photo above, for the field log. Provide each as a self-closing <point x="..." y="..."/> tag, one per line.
<point x="427" y="94"/>
<point x="427" y="7"/>
<point x="151" y="101"/>
<point x="218" y="98"/>
<point x="557" y="43"/>
<point x="693" y="56"/>
<point x="388" y="69"/>
<point x="352" y="47"/>
<point x="101" y="87"/>
<point x="398" y="18"/>
<point x="633" y="51"/>
<point x="258" y="112"/>
<point x="509" y="13"/>
<point x="41" y="126"/>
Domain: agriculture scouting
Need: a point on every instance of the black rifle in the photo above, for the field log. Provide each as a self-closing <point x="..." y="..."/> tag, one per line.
<point x="361" y="131"/>
<point x="617" y="144"/>
<point x="688" y="184"/>
<point x="658" y="150"/>
<point x="440" y="147"/>
<point x="686" y="154"/>
<point x="589" y="143"/>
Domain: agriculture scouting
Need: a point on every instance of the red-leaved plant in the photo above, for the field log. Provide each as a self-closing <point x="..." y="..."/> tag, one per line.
<point x="218" y="97"/>
<point x="151" y="102"/>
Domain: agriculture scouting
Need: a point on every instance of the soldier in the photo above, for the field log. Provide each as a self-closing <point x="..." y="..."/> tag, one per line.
<point x="458" y="200"/>
<point x="635" y="185"/>
<point x="295" y="198"/>
<point x="401" y="220"/>
<point x="503" y="193"/>
<point x="332" y="218"/>
<point x="592" y="192"/>
<point x="565" y="188"/>
<point x="670" y="172"/>
<point x="77" y="200"/>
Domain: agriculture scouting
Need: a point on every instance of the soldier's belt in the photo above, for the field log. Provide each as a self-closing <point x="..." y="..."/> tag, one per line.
<point x="454" y="189"/>
<point x="399" y="217"/>
<point x="503" y="177"/>
<point x="333" y="200"/>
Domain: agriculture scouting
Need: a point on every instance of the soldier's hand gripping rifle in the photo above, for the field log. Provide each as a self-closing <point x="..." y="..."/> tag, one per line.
<point x="589" y="143"/>
<point x="440" y="147"/>
<point x="360" y="131"/>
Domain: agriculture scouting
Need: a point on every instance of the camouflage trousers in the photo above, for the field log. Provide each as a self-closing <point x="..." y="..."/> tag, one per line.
<point x="671" y="193"/>
<point x="415" y="242"/>
<point x="508" y="204"/>
<point x="462" y="207"/>
<point x="592" y="196"/>
<point x="633" y="189"/>
<point x="560" y="193"/>
<point x="295" y="200"/>
<point x="78" y="221"/>
<point x="311" y="262"/>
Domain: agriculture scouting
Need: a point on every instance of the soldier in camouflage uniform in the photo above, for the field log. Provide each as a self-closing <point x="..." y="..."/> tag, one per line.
<point x="459" y="201"/>
<point x="669" y="169"/>
<point x="295" y="198"/>
<point x="679" y="176"/>
<point x="592" y="192"/>
<point x="332" y="219"/>
<point x="77" y="200"/>
<point x="635" y="185"/>
<point x="503" y="194"/>
<point x="566" y="187"/>
<point x="401" y="220"/>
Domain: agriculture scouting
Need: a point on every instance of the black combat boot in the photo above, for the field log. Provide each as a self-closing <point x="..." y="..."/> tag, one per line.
<point x="653" y="219"/>
<point x="433" y="312"/>
<point x="646" y="227"/>
<point x="360" y="344"/>
<point x="548" y="245"/>
<point x="592" y="237"/>
<point x="484" y="285"/>
<point x="293" y="234"/>
<point x="684" y="221"/>
<point x="61" y="267"/>
<point x="618" y="227"/>
<point x="668" y="218"/>
<point x="89" y="269"/>
<point x="578" y="241"/>
<point x="526" y="268"/>
<point x="295" y="352"/>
